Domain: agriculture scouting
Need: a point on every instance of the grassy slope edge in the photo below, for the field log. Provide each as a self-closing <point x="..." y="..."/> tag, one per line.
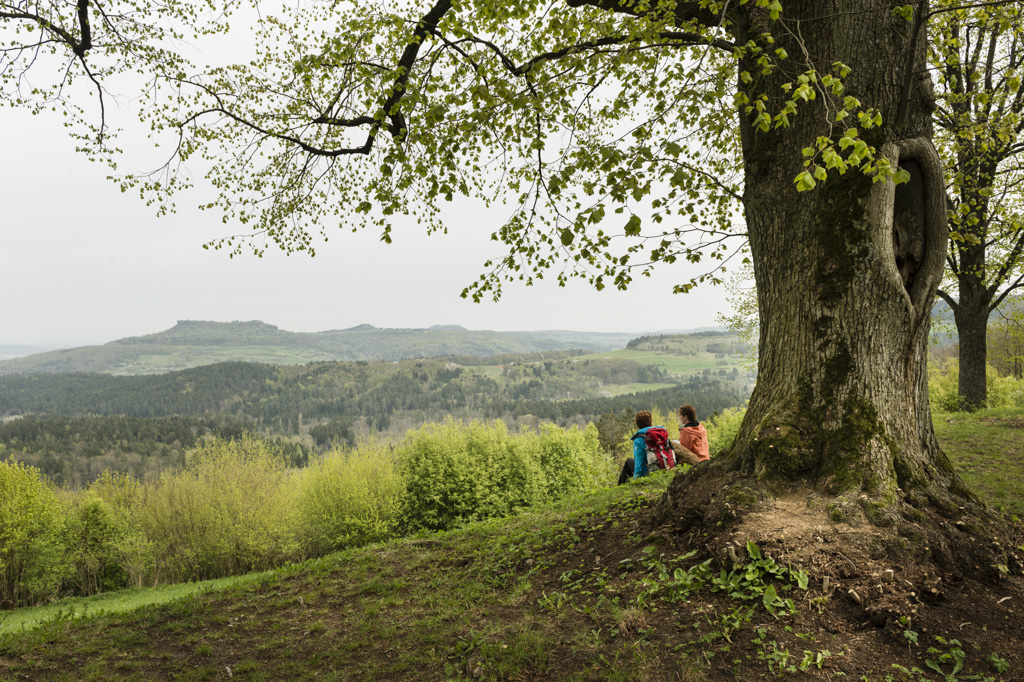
<point x="583" y="589"/>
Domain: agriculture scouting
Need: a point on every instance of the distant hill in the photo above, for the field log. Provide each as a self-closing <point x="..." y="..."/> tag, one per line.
<point x="17" y="351"/>
<point x="194" y="343"/>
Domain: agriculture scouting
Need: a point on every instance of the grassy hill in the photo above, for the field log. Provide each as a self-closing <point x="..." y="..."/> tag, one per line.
<point x="685" y="354"/>
<point x="585" y="589"/>
<point x="194" y="343"/>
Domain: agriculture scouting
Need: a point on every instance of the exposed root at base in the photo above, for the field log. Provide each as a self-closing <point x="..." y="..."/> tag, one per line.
<point x="881" y="573"/>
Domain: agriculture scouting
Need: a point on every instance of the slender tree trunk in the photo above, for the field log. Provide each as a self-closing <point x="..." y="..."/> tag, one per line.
<point x="971" y="317"/>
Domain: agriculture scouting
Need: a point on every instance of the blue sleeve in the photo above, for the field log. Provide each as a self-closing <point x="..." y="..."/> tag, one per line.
<point x="639" y="458"/>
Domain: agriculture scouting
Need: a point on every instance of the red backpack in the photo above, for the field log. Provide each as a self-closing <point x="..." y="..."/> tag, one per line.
<point x="659" y="450"/>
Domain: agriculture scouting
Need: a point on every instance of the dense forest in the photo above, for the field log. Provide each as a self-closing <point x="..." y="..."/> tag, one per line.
<point x="280" y="394"/>
<point x="73" y="451"/>
<point x="73" y="426"/>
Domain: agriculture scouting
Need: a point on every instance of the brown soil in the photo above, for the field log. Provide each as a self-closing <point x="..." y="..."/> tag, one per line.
<point x="860" y="602"/>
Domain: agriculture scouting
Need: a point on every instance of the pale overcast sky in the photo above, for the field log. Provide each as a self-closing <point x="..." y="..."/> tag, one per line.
<point x="84" y="263"/>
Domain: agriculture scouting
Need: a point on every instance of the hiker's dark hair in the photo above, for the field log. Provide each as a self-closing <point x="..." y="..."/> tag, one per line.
<point x="688" y="413"/>
<point x="643" y="419"/>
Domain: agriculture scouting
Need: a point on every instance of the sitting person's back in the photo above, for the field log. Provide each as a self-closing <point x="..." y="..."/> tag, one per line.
<point x="637" y="466"/>
<point x="693" y="436"/>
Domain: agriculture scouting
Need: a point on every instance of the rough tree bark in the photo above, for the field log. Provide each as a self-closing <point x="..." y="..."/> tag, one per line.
<point x="845" y="310"/>
<point x="846" y="277"/>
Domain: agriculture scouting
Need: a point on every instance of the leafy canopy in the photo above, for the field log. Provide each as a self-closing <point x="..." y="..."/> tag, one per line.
<point x="612" y="134"/>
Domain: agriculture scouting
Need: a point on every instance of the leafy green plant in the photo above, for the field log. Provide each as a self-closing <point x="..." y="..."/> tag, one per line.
<point x="814" y="659"/>
<point x="753" y="580"/>
<point x="347" y="498"/>
<point x="1000" y="664"/>
<point x="32" y="563"/>
<point x="777" y="658"/>
<point x="952" y="656"/>
<point x="667" y="578"/>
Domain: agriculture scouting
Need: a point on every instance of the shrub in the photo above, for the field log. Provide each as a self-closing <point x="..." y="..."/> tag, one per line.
<point x="455" y="472"/>
<point x="670" y="420"/>
<point x="346" y="498"/>
<point x="944" y="388"/>
<point x="225" y="513"/>
<point x="449" y="473"/>
<point x="94" y="538"/>
<point x="31" y="523"/>
<point x="572" y="460"/>
<point x="723" y="428"/>
<point x="134" y="551"/>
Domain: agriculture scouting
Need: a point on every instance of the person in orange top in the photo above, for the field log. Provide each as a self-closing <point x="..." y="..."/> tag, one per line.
<point x="692" y="436"/>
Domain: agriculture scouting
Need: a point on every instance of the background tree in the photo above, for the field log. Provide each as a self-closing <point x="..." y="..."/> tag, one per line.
<point x="1006" y="338"/>
<point x="743" y="319"/>
<point x="977" y="54"/>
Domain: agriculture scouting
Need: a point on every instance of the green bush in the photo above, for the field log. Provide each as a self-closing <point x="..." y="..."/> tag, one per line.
<point x="225" y="513"/>
<point x="723" y="427"/>
<point x="456" y="472"/>
<point x="346" y="498"/>
<point x="135" y="552"/>
<point x="32" y="562"/>
<point x="944" y="388"/>
<point x="94" y="538"/>
<point x="572" y="460"/>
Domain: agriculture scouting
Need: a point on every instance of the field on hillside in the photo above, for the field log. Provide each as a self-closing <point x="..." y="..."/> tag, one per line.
<point x="687" y="354"/>
<point x="674" y="363"/>
<point x="583" y="589"/>
<point x="182" y="358"/>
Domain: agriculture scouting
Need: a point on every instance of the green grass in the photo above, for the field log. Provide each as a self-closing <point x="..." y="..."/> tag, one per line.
<point x="622" y="389"/>
<point x="122" y="601"/>
<point x="583" y="589"/>
<point x="987" y="448"/>
<point x="671" y="363"/>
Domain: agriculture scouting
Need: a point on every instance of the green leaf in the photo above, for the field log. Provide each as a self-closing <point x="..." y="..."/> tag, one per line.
<point x="804" y="182"/>
<point x="567" y="236"/>
<point x="633" y="226"/>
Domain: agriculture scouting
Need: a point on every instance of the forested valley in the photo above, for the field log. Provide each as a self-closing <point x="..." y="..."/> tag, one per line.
<point x="75" y="426"/>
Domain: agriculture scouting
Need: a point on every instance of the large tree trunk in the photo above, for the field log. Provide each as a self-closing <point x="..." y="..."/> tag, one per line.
<point x="846" y="277"/>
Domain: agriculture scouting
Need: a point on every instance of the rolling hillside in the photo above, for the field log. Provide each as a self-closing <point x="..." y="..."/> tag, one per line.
<point x="194" y="343"/>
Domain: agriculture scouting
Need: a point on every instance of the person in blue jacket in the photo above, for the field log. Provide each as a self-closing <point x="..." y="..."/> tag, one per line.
<point x="636" y="466"/>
